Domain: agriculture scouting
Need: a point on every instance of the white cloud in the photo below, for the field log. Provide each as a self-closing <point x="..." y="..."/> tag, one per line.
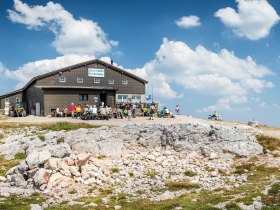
<point x="222" y="74"/>
<point x="253" y="18"/>
<point x="27" y="71"/>
<point x="277" y="106"/>
<point x="188" y="22"/>
<point x="72" y="36"/>
<point x="262" y="104"/>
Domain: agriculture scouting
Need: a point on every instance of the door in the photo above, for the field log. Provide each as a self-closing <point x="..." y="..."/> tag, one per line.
<point x="103" y="98"/>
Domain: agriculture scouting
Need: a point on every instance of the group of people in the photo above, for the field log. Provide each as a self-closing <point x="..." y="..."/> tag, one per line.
<point x="123" y="110"/>
<point x="77" y="111"/>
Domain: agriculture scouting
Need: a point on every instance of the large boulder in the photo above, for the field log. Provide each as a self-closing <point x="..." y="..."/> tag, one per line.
<point x="36" y="159"/>
<point x="41" y="177"/>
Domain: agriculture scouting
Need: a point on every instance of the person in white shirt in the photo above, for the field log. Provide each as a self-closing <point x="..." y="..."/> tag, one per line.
<point x="58" y="112"/>
<point x="94" y="109"/>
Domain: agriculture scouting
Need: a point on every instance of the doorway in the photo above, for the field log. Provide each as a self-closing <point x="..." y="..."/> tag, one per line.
<point x="103" y="98"/>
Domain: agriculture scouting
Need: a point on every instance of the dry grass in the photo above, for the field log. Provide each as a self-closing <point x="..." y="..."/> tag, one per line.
<point x="5" y="165"/>
<point x="180" y="185"/>
<point x="269" y="143"/>
<point x="3" y="117"/>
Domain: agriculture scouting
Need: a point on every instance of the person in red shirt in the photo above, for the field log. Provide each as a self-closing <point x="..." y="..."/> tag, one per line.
<point x="72" y="109"/>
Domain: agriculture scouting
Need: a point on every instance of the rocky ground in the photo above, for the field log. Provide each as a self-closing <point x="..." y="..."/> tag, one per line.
<point x="156" y="165"/>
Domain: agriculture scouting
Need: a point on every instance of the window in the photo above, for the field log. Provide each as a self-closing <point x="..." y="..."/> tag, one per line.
<point x="62" y="79"/>
<point x="96" y="80"/>
<point x="80" y="80"/>
<point x="6" y="100"/>
<point x="111" y="81"/>
<point x="17" y="100"/>
<point x="122" y="98"/>
<point x="83" y="97"/>
<point x="124" y="82"/>
<point x="136" y="99"/>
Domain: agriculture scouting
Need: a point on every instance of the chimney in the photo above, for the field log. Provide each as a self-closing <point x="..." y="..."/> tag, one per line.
<point x="112" y="62"/>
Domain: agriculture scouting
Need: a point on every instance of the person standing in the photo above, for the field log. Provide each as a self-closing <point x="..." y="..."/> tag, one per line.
<point x="72" y="110"/>
<point x="177" y="109"/>
<point x="134" y="110"/>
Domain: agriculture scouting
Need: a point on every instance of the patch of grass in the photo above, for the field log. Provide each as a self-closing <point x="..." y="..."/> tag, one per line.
<point x="73" y="191"/>
<point x="222" y="172"/>
<point x="1" y="136"/>
<point x="258" y="178"/>
<point x="269" y="143"/>
<point x="49" y="126"/>
<point x="179" y="185"/>
<point x="115" y="170"/>
<point x="100" y="157"/>
<point x="209" y="169"/>
<point x="3" y="117"/>
<point x="42" y="137"/>
<point x="91" y="189"/>
<point x="14" y="203"/>
<point x="190" y="173"/>
<point x="140" y="192"/>
<point x="275" y="189"/>
<point x="65" y="126"/>
<point x="243" y="168"/>
<point x="151" y="172"/>
<point x="131" y="174"/>
<point x="107" y="191"/>
<point x="60" y="140"/>
<point x="272" y="200"/>
<point x="64" y="206"/>
<point x="232" y="206"/>
<point x="20" y="156"/>
<point x="5" y="165"/>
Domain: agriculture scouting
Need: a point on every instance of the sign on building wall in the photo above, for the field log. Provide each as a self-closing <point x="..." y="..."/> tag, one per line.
<point x="92" y="72"/>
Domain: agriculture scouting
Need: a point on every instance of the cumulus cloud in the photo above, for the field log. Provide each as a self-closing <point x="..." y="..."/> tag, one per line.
<point x="188" y="22"/>
<point x="219" y="74"/>
<point x="253" y="18"/>
<point x="27" y="71"/>
<point x="72" y="36"/>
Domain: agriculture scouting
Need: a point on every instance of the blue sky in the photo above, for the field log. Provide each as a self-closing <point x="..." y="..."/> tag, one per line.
<point x="204" y="55"/>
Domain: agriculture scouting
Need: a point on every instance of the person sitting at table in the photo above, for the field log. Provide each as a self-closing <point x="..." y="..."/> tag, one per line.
<point x="102" y="111"/>
<point x="65" y="111"/>
<point x="79" y="111"/>
<point x="59" y="112"/>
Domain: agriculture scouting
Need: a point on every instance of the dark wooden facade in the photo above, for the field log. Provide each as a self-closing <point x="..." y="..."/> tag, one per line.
<point x="50" y="92"/>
